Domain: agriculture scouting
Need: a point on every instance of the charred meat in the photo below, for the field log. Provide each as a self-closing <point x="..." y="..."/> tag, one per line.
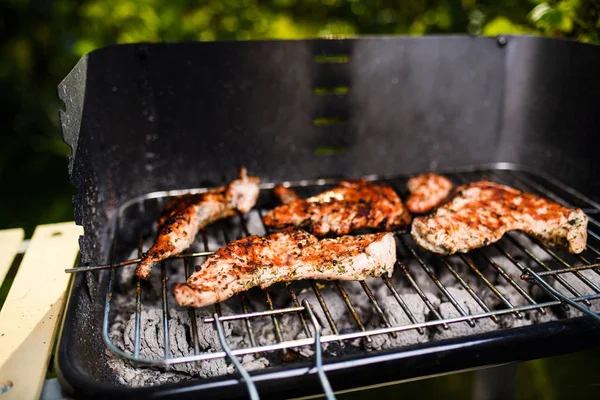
<point x="427" y="191"/>
<point x="185" y="215"/>
<point x="481" y="212"/>
<point x="288" y="255"/>
<point x="351" y="205"/>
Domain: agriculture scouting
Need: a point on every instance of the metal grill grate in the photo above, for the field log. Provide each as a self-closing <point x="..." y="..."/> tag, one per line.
<point x="470" y="272"/>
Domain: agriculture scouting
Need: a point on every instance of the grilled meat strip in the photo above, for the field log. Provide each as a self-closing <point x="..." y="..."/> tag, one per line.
<point x="185" y="215"/>
<point x="481" y="212"/>
<point x="288" y="255"/>
<point x="427" y="191"/>
<point x="285" y="195"/>
<point x="351" y="205"/>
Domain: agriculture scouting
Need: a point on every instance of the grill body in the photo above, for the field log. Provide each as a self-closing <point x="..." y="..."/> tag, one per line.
<point x="149" y="117"/>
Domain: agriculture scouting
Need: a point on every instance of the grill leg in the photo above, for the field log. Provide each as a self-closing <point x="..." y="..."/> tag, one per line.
<point x="498" y="383"/>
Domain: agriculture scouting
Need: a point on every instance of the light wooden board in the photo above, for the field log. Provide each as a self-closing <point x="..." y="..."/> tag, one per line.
<point x="32" y="312"/>
<point x="10" y="240"/>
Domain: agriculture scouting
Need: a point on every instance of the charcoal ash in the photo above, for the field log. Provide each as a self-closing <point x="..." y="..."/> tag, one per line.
<point x="468" y="304"/>
<point x="291" y="324"/>
<point x="397" y="316"/>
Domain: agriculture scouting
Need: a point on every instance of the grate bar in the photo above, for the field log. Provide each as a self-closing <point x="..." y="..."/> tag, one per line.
<point x="516" y="263"/>
<point x="422" y="295"/>
<point x="593" y="249"/>
<point x="138" y="304"/>
<point x="378" y="309"/>
<point x="204" y="236"/>
<point x="247" y="321"/>
<point x="468" y="288"/>
<point x="409" y="314"/>
<point x="278" y="334"/>
<point x="489" y="284"/>
<point x="133" y="261"/>
<point x="546" y="267"/>
<point x="582" y="277"/>
<point x="435" y="280"/>
<point x="324" y="307"/>
<point x="570" y="269"/>
<point x="165" y="309"/>
<point x="290" y="288"/>
<point x="350" y="307"/>
<point x="192" y="311"/>
<point x="587" y="262"/>
<point x="266" y="313"/>
<point x="511" y="281"/>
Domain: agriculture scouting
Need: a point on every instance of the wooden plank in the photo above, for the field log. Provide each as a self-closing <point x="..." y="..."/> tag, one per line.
<point x="33" y="308"/>
<point x="10" y="240"/>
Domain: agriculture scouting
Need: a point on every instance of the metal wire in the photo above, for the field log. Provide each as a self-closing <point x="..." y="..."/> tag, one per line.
<point x="240" y="368"/>
<point x="350" y="307"/>
<point x="165" y="309"/>
<point x="192" y="312"/>
<point x="412" y="284"/>
<point x="549" y="288"/>
<point x="435" y="280"/>
<point x="132" y="262"/>
<point x="138" y="305"/>
<point x="318" y="352"/>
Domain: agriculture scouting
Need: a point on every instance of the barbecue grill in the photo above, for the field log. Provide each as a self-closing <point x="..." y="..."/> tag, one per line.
<point x="150" y="121"/>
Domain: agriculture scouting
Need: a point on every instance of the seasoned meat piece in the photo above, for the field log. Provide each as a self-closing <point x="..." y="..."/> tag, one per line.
<point x="284" y="194"/>
<point x="185" y="215"/>
<point x="481" y="212"/>
<point x="351" y="205"/>
<point x="427" y="191"/>
<point x="285" y="256"/>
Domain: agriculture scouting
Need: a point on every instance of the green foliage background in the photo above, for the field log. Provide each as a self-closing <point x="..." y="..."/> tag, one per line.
<point x="41" y="40"/>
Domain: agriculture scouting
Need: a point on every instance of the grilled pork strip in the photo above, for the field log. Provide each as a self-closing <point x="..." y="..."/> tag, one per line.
<point x="288" y="255"/>
<point x="481" y="212"/>
<point x="185" y="215"/>
<point x="427" y="191"/>
<point x="351" y="205"/>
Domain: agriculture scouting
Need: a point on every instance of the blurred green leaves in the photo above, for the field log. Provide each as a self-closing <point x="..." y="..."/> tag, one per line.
<point x="552" y="19"/>
<point x="579" y="19"/>
<point x="502" y="25"/>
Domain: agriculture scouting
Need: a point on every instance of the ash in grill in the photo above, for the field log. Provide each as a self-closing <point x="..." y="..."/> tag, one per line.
<point x="428" y="298"/>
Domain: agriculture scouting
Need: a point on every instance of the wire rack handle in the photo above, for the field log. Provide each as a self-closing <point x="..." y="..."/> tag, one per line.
<point x="529" y="274"/>
<point x="238" y="365"/>
<point x="318" y="352"/>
